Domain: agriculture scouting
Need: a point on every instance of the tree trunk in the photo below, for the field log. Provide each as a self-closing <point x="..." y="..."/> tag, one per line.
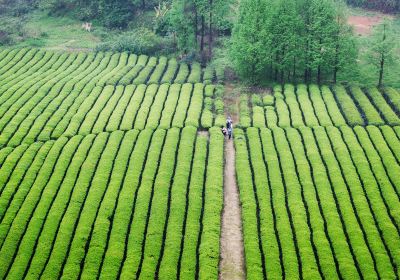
<point x="336" y="67"/>
<point x="196" y="24"/>
<point x="335" y="70"/>
<point x="382" y="65"/>
<point x="202" y="34"/>
<point x="319" y="74"/>
<point x="210" y="35"/>
<point x="382" y="62"/>
<point x="294" y="67"/>
<point x="143" y="4"/>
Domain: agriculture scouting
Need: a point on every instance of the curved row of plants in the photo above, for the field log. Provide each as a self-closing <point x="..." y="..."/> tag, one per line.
<point x="135" y="204"/>
<point x="311" y="106"/>
<point x="319" y="202"/>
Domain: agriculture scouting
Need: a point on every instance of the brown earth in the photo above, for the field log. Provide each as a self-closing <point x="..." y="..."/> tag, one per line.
<point x="232" y="256"/>
<point x="231" y="265"/>
<point x="363" y="24"/>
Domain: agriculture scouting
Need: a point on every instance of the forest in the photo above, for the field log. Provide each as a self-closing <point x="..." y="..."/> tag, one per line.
<point x="261" y="41"/>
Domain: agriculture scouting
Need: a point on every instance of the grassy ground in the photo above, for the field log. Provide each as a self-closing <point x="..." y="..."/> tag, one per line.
<point x="38" y="29"/>
<point x="41" y="30"/>
<point x="368" y="74"/>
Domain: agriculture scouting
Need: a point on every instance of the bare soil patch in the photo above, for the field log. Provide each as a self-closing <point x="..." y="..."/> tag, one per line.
<point x="231" y="265"/>
<point x="363" y="24"/>
<point x="231" y="100"/>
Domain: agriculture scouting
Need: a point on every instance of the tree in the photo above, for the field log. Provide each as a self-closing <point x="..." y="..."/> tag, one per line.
<point x="182" y="24"/>
<point x="250" y="40"/>
<point x="194" y="21"/>
<point x="346" y="50"/>
<point x="284" y="39"/>
<point x="382" y="48"/>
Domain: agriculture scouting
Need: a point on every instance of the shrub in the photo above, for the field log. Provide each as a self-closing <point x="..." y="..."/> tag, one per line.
<point x="144" y="74"/>
<point x="256" y="100"/>
<point x="170" y="106"/>
<point x="160" y="156"/>
<point x="141" y="40"/>
<point x="153" y="119"/>
<point x="170" y="72"/>
<point x="209" y="74"/>
<point x="249" y="210"/>
<point x="306" y="106"/>
<point x="393" y="96"/>
<point x="244" y="112"/>
<point x="118" y="113"/>
<point x="145" y="107"/>
<point x="384" y="109"/>
<point x="219" y="91"/>
<point x="220" y="120"/>
<point x="162" y="201"/>
<point x="219" y="106"/>
<point x="271" y="117"/>
<point x="213" y="200"/>
<point x="209" y="90"/>
<point x="183" y="104"/>
<point x="258" y="116"/>
<point x="194" y="210"/>
<point x="371" y="114"/>
<point x="296" y="116"/>
<point x="158" y="71"/>
<point x="319" y="105"/>
<point x="208" y="103"/>
<point x="336" y="115"/>
<point x="347" y="106"/>
<point x="196" y="106"/>
<point x="282" y="112"/>
<point x="182" y="74"/>
<point x="119" y="231"/>
<point x="268" y="100"/>
<point x="206" y="119"/>
<point x="177" y="213"/>
<point x="105" y="114"/>
<point x="195" y="73"/>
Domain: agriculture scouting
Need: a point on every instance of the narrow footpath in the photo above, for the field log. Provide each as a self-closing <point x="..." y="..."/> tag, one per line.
<point x="231" y="265"/>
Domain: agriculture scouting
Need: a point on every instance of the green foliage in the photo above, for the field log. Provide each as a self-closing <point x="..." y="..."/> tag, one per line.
<point x="244" y="112"/>
<point x="249" y="52"/>
<point x="347" y="106"/>
<point x="291" y="40"/>
<point x="256" y="100"/>
<point x="382" y="51"/>
<point x="213" y="198"/>
<point x="141" y="40"/>
<point x="268" y="100"/>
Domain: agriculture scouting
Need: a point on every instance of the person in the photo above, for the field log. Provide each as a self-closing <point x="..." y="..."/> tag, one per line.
<point x="230" y="133"/>
<point x="229" y="126"/>
<point x="229" y="122"/>
<point x="224" y="131"/>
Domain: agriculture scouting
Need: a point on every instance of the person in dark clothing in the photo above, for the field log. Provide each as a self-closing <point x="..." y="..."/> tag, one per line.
<point x="229" y="123"/>
<point x="229" y="126"/>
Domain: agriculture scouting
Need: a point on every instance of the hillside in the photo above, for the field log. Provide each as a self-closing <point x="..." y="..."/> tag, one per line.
<point x="113" y="165"/>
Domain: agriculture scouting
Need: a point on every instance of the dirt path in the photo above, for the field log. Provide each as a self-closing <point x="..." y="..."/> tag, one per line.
<point x="231" y="265"/>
